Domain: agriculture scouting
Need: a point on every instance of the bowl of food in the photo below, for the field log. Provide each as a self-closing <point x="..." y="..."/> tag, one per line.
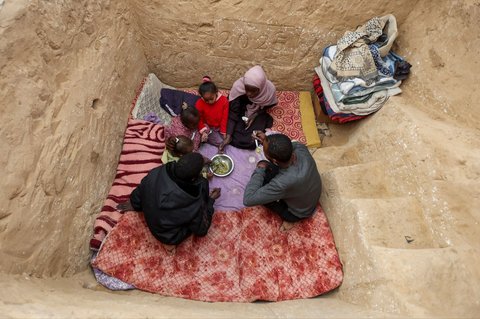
<point x="221" y="165"/>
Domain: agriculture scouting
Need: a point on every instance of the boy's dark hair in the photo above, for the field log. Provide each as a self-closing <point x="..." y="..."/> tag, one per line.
<point x="189" y="166"/>
<point x="183" y="145"/>
<point x="207" y="86"/>
<point x="280" y="147"/>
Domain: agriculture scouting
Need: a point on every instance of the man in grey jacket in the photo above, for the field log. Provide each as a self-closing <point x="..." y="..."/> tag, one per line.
<point x="288" y="183"/>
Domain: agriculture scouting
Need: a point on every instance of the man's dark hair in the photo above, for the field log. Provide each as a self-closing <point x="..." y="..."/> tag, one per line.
<point x="189" y="166"/>
<point x="279" y="147"/>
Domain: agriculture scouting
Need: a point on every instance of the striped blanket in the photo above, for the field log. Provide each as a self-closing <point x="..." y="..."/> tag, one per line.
<point x="142" y="150"/>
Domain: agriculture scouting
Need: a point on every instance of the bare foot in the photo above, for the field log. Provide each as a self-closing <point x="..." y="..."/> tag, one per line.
<point x="170" y="249"/>
<point x="286" y="226"/>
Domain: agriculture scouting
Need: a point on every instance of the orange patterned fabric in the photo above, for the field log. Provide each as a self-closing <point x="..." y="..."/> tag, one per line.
<point x="243" y="258"/>
<point x="286" y="116"/>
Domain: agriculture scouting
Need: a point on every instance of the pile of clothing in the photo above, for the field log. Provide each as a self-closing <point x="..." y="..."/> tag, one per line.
<point x="357" y="75"/>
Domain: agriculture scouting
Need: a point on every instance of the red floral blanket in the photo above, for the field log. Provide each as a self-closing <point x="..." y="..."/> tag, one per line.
<point x="243" y="258"/>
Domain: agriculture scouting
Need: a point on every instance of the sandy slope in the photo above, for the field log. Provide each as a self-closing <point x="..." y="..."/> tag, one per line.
<point x="68" y="71"/>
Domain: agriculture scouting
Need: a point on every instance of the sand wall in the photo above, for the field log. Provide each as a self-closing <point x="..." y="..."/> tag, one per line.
<point x="402" y="187"/>
<point x="403" y="202"/>
<point x="183" y="40"/>
<point x="442" y="43"/>
<point x="69" y="70"/>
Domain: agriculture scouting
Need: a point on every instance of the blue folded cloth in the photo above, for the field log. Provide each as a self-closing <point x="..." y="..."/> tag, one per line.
<point x="172" y="100"/>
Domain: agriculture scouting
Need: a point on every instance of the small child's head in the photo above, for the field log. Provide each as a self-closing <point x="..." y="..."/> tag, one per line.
<point x="190" y="117"/>
<point x="208" y="90"/>
<point x="183" y="145"/>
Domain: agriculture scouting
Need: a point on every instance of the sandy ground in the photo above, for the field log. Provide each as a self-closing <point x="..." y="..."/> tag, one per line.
<point x="69" y="70"/>
<point x="81" y="297"/>
<point x="418" y="179"/>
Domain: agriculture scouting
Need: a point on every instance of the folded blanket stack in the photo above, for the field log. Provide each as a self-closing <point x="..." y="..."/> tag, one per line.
<point x="357" y="75"/>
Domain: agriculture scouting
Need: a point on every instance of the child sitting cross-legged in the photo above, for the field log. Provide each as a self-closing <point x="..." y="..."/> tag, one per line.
<point x="213" y="110"/>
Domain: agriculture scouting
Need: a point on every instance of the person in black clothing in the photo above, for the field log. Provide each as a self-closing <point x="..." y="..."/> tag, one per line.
<point x="250" y="97"/>
<point x="175" y="201"/>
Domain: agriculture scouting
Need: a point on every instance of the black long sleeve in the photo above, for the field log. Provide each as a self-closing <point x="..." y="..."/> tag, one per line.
<point x="201" y="223"/>
<point x="235" y="109"/>
<point x="173" y="209"/>
<point x="136" y="198"/>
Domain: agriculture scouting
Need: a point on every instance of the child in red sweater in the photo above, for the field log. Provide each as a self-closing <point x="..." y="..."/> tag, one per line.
<point x="213" y="109"/>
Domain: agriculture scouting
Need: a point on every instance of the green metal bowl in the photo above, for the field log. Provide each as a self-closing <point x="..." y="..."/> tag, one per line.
<point x="222" y="159"/>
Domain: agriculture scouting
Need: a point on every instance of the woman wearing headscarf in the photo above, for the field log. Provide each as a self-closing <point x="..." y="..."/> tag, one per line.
<point x="249" y="98"/>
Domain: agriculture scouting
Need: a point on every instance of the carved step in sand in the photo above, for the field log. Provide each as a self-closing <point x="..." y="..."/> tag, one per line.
<point x="367" y="180"/>
<point x="394" y="223"/>
<point x="413" y="166"/>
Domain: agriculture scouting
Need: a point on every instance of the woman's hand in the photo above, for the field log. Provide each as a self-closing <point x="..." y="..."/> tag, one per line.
<point x="226" y="141"/>
<point x="259" y="135"/>
<point x="250" y="121"/>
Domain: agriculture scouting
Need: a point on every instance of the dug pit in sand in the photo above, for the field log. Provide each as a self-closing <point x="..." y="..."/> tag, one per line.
<point x="69" y="72"/>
